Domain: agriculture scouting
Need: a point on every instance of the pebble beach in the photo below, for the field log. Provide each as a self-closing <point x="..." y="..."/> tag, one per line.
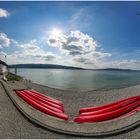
<point x="73" y="101"/>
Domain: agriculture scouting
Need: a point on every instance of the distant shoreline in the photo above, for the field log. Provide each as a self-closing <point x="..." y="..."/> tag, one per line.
<point x="52" y="66"/>
<point x="43" y="66"/>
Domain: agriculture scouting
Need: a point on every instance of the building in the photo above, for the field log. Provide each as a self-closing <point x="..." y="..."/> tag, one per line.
<point x="3" y="70"/>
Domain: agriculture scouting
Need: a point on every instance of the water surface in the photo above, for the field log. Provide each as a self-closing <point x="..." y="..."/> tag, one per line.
<point x="81" y="79"/>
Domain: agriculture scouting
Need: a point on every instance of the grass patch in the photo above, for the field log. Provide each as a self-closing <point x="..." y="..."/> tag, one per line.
<point x="13" y="77"/>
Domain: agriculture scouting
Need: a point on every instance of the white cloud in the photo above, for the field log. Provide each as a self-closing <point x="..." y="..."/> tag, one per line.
<point x="32" y="45"/>
<point x="4" y="40"/>
<point x="49" y="56"/>
<point x="125" y="64"/>
<point x="79" y="47"/>
<point x="122" y="64"/>
<point x="76" y="43"/>
<point x="80" y="13"/>
<point x="4" y="13"/>
<point x="83" y="16"/>
<point x="27" y="52"/>
<point x="32" y="52"/>
<point x="3" y="53"/>
<point x="27" y="57"/>
<point x="99" y="55"/>
<point x="91" y="58"/>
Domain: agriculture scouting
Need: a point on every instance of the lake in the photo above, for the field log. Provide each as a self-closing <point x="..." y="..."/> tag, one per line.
<point x="81" y="79"/>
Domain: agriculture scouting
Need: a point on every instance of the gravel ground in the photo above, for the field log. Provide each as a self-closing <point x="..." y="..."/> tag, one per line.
<point x="73" y="100"/>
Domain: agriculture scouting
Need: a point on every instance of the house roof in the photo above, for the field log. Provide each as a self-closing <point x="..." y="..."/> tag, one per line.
<point x="2" y="62"/>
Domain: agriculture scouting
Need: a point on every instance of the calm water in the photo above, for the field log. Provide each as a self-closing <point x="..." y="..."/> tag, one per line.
<point x="81" y="79"/>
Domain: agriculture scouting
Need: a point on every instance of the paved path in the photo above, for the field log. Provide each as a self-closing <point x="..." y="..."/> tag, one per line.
<point x="14" y="125"/>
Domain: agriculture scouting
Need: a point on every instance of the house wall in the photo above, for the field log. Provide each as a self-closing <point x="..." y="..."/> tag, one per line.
<point x="3" y="71"/>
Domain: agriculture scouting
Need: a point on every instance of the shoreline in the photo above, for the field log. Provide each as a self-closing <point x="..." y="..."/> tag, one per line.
<point x="100" y="89"/>
<point x="74" y="100"/>
<point x="72" y="90"/>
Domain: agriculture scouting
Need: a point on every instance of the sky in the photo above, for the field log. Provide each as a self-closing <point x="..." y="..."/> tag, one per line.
<point x="83" y="34"/>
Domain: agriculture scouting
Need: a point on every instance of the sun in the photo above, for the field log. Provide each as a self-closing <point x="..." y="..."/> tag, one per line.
<point x="56" y="32"/>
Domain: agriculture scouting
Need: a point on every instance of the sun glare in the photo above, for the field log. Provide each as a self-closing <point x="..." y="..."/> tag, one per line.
<point x="56" y="32"/>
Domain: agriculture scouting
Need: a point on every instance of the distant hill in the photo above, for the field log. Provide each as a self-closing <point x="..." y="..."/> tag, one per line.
<point x="117" y="69"/>
<point x="114" y="69"/>
<point x="42" y="66"/>
<point x="53" y="66"/>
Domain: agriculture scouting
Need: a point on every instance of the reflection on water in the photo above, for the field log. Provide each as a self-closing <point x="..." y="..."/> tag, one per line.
<point x="81" y="79"/>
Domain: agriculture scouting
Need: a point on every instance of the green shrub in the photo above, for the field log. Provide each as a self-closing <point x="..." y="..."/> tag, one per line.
<point x="13" y="77"/>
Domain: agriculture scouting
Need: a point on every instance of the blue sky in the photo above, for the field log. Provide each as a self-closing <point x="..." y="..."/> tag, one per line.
<point x="85" y="34"/>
